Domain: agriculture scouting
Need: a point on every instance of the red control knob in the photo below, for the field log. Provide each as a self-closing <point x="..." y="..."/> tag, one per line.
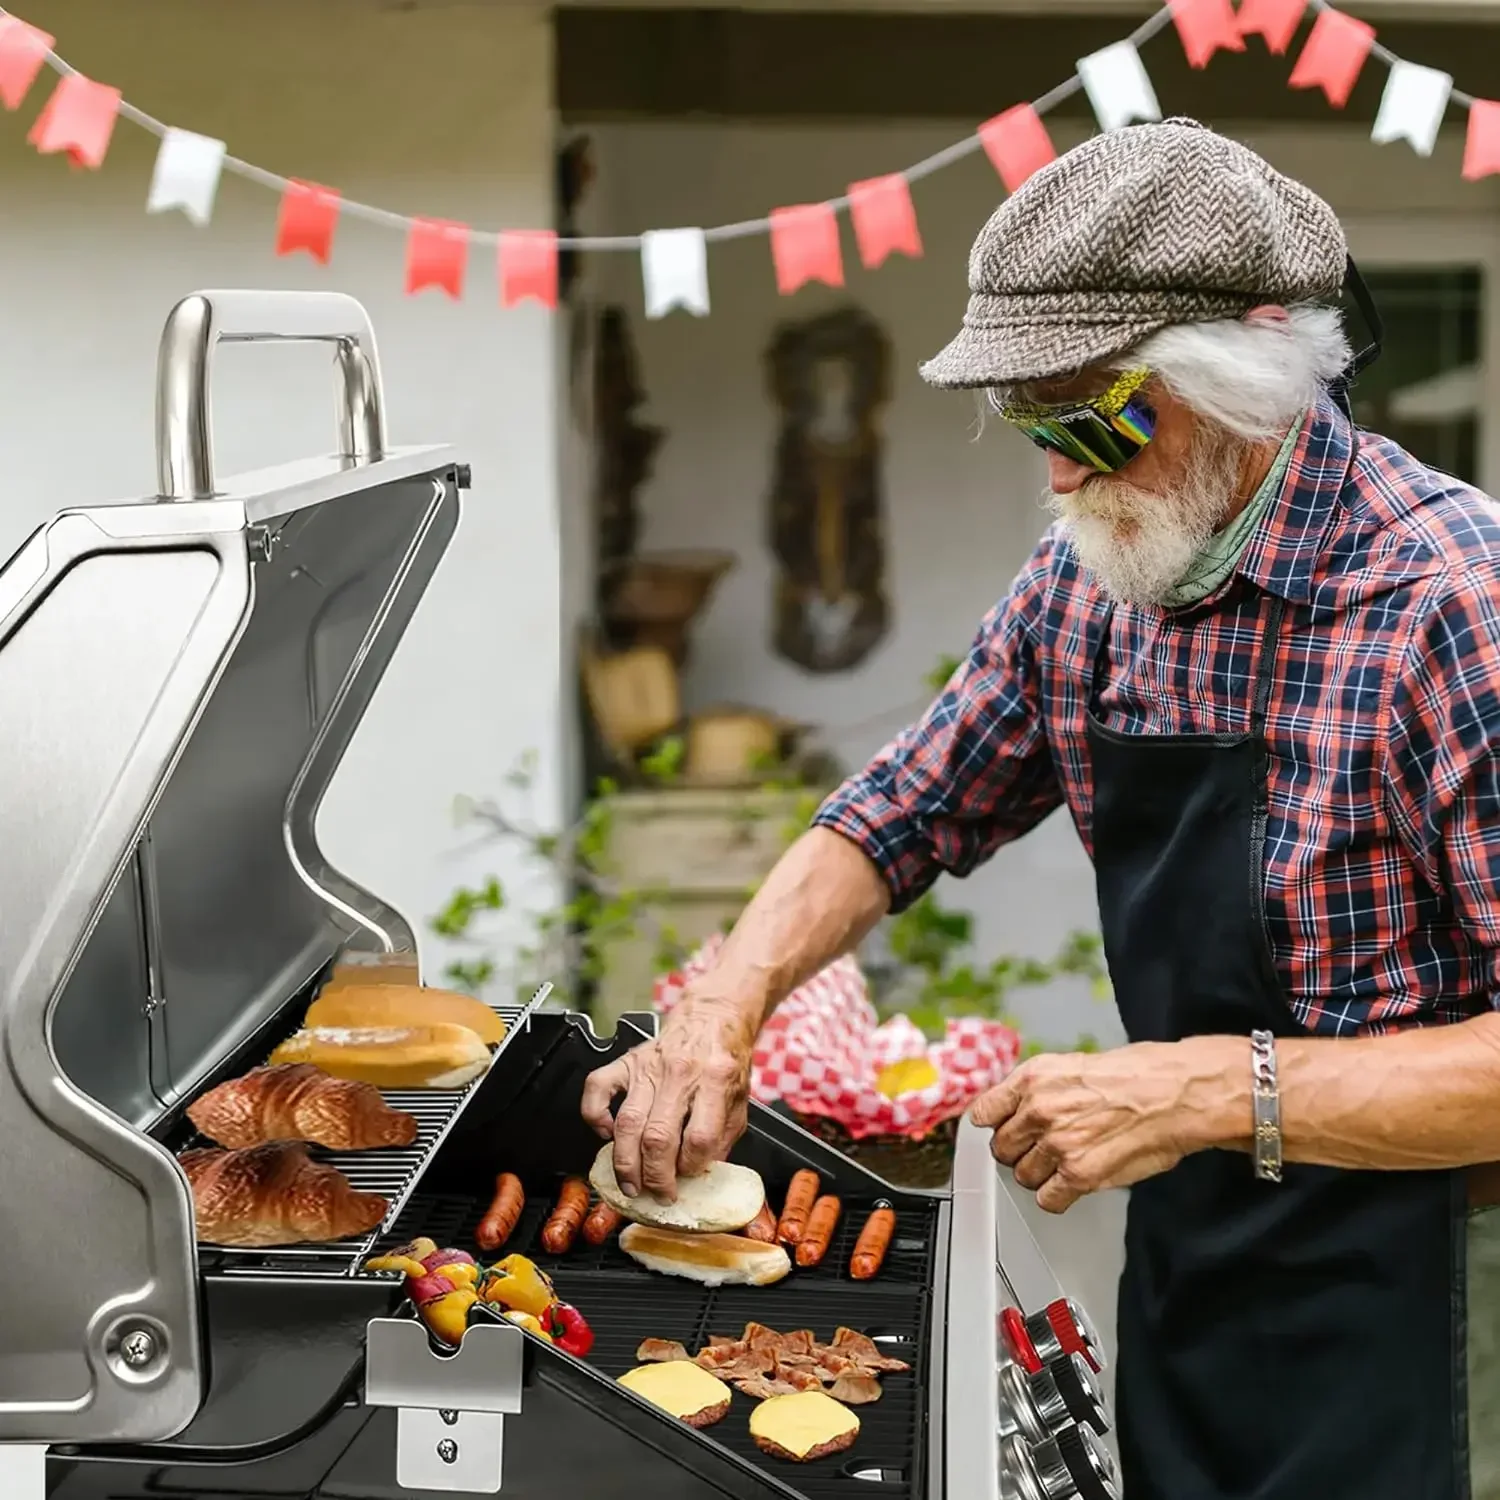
<point x="1063" y="1328"/>
<point x="1016" y="1337"/>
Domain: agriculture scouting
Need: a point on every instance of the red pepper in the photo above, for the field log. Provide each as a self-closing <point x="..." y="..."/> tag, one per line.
<point x="569" y="1331"/>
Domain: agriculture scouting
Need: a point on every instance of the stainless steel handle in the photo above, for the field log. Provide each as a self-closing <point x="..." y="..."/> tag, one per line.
<point x="184" y="366"/>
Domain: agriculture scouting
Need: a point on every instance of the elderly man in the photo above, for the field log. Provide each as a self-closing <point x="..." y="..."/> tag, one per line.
<point x="1258" y="659"/>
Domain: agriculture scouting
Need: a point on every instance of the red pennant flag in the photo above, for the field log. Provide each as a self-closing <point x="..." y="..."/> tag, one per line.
<point x="1017" y="144"/>
<point x="528" y="267"/>
<point x="805" y="246"/>
<point x="79" y="119"/>
<point x="1276" y="20"/>
<point x="884" y="219"/>
<point x="309" y="215"/>
<point x="1205" y="26"/>
<point x="1482" y="149"/>
<point x="23" y="50"/>
<point x="437" y="254"/>
<point x="1334" y="53"/>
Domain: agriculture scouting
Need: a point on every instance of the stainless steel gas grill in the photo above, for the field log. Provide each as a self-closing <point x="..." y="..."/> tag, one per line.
<point x="179" y="679"/>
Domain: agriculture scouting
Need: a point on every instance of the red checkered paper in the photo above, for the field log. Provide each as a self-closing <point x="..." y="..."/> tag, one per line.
<point x="824" y="1047"/>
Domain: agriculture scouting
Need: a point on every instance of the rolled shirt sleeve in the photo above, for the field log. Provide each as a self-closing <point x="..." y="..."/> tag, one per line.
<point x="1443" y="760"/>
<point x="974" y="772"/>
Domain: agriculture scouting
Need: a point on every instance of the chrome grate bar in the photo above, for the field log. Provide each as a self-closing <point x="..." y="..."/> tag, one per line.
<point x="392" y="1172"/>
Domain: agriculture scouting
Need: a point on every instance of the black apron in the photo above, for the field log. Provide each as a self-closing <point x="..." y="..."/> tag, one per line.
<point x="1294" y="1341"/>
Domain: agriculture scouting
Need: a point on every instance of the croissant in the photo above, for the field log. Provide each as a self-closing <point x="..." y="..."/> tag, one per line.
<point x="298" y="1102"/>
<point x="275" y="1195"/>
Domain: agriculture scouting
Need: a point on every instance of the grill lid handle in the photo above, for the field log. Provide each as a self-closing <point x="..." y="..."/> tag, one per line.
<point x="184" y="366"/>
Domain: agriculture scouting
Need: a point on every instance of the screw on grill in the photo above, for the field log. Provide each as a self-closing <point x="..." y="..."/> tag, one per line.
<point x="138" y="1349"/>
<point x="450" y="1418"/>
<point x="447" y="1450"/>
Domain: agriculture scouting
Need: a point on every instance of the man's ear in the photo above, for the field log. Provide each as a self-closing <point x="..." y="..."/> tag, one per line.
<point x="1269" y="313"/>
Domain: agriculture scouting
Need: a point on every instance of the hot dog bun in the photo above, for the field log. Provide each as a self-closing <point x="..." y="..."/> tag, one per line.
<point x="355" y="1006"/>
<point x="722" y="1198"/>
<point x="412" y="1057"/>
<point x="712" y="1259"/>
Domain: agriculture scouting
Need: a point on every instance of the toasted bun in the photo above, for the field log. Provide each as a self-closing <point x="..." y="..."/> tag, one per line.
<point x="682" y="1390"/>
<point x="411" y="1057"/>
<point x="712" y="1259"/>
<point x="724" y="1197"/>
<point x="377" y="1006"/>
<point x="804" y="1427"/>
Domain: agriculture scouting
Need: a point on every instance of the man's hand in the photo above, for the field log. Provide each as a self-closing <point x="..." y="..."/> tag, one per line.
<point x="686" y="1096"/>
<point x="1075" y="1123"/>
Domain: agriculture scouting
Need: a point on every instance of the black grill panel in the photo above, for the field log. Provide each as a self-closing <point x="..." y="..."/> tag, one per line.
<point x="624" y="1304"/>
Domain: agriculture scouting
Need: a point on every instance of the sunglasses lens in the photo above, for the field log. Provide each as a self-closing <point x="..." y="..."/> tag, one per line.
<point x="1105" y="433"/>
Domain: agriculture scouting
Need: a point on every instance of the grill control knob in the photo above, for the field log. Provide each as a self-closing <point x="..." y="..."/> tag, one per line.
<point x="1062" y="1327"/>
<point x="1039" y="1403"/>
<point x="1080" y="1392"/>
<point x="1074" y="1465"/>
<point x="1088" y="1463"/>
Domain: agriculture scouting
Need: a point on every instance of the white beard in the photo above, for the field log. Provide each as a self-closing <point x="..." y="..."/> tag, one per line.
<point x="1138" y="543"/>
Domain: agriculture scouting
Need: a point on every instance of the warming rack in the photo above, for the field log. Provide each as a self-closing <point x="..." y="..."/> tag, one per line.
<point x="393" y="1172"/>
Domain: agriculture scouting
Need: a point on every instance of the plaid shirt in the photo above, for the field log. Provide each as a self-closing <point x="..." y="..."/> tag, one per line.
<point x="1382" y="857"/>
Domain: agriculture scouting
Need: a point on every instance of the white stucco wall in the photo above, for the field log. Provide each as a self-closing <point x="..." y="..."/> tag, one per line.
<point x="961" y="514"/>
<point x="444" y="111"/>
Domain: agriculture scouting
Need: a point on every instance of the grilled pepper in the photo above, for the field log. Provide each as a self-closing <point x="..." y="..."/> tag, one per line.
<point x="517" y="1284"/>
<point x="569" y="1331"/>
<point x="447" y="1316"/>
<point x="529" y="1323"/>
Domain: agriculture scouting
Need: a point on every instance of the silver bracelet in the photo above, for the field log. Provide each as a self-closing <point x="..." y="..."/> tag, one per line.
<point x="1267" y="1106"/>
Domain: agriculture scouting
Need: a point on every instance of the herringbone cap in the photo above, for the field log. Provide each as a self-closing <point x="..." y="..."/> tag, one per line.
<point x="1125" y="235"/>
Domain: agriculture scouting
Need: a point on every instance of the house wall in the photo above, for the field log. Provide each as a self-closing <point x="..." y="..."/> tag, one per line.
<point x="961" y="513"/>
<point x="445" y="112"/>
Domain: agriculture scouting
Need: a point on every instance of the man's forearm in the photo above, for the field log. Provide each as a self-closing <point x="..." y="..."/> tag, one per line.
<point x="1427" y="1097"/>
<point x="821" y="898"/>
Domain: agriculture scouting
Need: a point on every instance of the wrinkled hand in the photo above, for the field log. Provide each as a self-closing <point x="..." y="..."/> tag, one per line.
<point x="1075" y="1123"/>
<point x="686" y="1096"/>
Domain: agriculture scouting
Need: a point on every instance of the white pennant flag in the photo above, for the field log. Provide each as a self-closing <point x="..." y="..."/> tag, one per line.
<point x="1115" y="81"/>
<point x="1412" y="107"/>
<point x="187" y="174"/>
<point x="674" y="266"/>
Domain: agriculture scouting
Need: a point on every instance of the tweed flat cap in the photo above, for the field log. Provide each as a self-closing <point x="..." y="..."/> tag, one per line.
<point x="1129" y="233"/>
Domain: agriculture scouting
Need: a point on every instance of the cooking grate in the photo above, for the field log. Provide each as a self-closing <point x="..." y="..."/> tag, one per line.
<point x="624" y="1303"/>
<point x="392" y="1172"/>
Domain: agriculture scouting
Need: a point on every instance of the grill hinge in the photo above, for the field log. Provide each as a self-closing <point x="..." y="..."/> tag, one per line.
<point x="450" y="1408"/>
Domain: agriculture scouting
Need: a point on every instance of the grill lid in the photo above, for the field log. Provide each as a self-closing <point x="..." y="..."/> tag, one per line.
<point x="179" y="681"/>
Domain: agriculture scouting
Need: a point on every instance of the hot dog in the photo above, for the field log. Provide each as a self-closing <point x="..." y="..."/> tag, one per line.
<point x="800" y="1197"/>
<point x="874" y="1240"/>
<point x="763" y="1226"/>
<point x="601" y="1223"/>
<point x="503" y="1214"/>
<point x="821" y="1222"/>
<point x="561" y="1229"/>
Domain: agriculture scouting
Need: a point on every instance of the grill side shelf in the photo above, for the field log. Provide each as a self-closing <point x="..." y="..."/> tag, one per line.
<point x="393" y="1172"/>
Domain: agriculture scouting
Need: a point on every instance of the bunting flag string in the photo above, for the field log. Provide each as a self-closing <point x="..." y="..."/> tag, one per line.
<point x="78" y="120"/>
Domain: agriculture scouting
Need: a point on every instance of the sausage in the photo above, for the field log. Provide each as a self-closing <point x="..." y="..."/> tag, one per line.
<point x="503" y="1214"/>
<point x="763" y="1226"/>
<point x="874" y="1240"/>
<point x="561" y="1229"/>
<point x="800" y="1196"/>
<point x="601" y="1223"/>
<point x="821" y="1223"/>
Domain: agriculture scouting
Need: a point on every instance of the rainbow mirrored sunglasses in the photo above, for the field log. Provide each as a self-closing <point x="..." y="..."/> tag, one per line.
<point x="1105" y="432"/>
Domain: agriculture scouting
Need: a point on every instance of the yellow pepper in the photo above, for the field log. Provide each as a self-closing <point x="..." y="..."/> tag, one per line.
<point x="529" y="1323"/>
<point x="461" y="1274"/>
<point x="516" y="1283"/>
<point x="402" y="1263"/>
<point x="448" y="1316"/>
